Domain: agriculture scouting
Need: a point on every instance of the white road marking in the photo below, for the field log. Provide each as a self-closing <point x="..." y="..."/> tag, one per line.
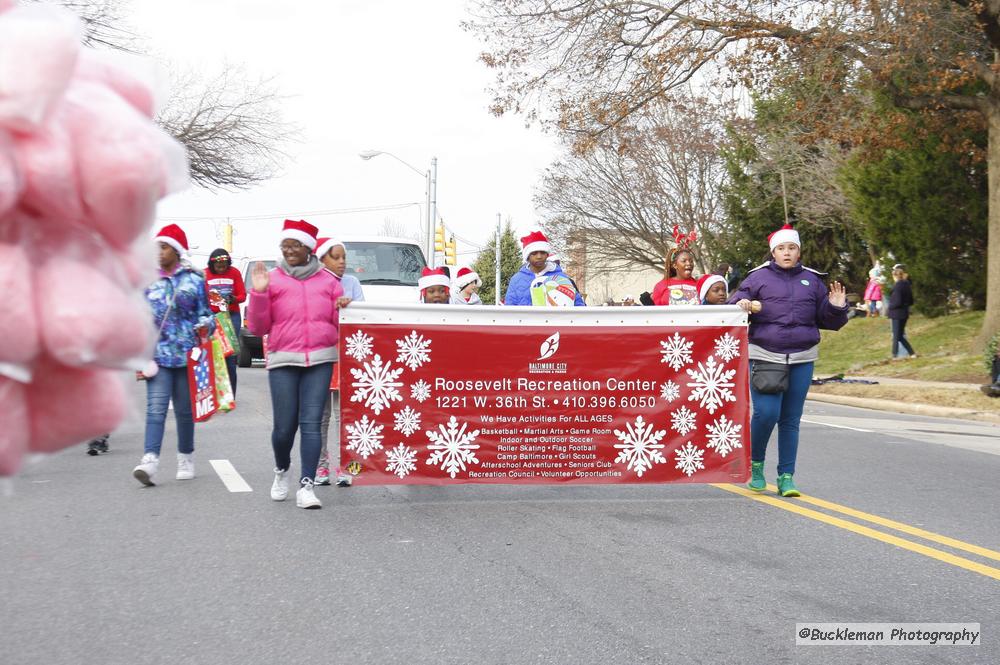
<point x="853" y="429"/>
<point x="229" y="476"/>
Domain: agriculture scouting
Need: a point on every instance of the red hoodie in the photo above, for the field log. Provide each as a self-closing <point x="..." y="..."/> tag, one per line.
<point x="229" y="283"/>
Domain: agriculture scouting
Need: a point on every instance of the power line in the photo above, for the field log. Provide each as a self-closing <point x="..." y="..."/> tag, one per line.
<point x="306" y="213"/>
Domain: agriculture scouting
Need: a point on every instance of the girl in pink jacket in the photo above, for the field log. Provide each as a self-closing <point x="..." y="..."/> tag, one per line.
<point x="296" y="305"/>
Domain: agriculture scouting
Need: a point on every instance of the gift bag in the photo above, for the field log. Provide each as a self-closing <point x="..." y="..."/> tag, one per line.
<point x="335" y="378"/>
<point x="219" y="337"/>
<point x="224" y="321"/>
<point x="201" y="382"/>
<point x="223" y="385"/>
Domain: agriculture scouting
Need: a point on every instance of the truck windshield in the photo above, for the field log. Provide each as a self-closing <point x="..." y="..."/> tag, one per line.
<point x="384" y="263"/>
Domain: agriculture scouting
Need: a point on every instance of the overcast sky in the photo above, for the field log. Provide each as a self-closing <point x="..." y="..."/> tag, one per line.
<point x="393" y="75"/>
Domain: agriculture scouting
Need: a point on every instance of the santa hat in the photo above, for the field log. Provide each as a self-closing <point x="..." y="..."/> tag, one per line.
<point x="324" y="245"/>
<point x="705" y="282"/>
<point x="785" y="234"/>
<point x="465" y="277"/>
<point x="433" y="277"/>
<point x="535" y="242"/>
<point x="174" y="236"/>
<point x="300" y="230"/>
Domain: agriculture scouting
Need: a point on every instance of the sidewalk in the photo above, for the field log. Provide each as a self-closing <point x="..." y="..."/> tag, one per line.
<point x="910" y="407"/>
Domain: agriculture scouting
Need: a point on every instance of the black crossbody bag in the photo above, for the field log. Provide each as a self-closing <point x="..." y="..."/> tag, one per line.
<point x="769" y="378"/>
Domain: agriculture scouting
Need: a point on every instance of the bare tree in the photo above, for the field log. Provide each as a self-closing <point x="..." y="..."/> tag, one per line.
<point x="587" y="66"/>
<point x="232" y="128"/>
<point x="623" y="198"/>
<point x="231" y="125"/>
<point x="393" y="228"/>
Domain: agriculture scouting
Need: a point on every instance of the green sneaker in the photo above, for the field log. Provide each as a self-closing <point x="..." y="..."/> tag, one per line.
<point x="757" y="482"/>
<point x="786" y="486"/>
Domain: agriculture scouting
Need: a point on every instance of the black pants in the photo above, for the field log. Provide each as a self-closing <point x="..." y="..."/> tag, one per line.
<point x="899" y="337"/>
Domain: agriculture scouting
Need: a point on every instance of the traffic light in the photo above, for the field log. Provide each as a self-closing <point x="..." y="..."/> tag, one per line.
<point x="439" y="238"/>
<point x="449" y="252"/>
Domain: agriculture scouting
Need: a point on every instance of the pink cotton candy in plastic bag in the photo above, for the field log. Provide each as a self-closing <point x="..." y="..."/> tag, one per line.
<point x="131" y="78"/>
<point x="11" y="180"/>
<point x="51" y="184"/>
<point x="15" y="431"/>
<point x="39" y="45"/>
<point x="109" y="329"/>
<point x="122" y="161"/>
<point x="68" y="406"/>
<point x="19" y="342"/>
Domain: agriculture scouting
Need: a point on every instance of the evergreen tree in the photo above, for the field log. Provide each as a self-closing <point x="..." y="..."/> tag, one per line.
<point x="510" y="263"/>
<point x="927" y="206"/>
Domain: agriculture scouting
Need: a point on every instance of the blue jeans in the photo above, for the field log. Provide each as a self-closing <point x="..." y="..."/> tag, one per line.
<point x="785" y="411"/>
<point x="899" y="337"/>
<point x="231" y="360"/>
<point x="168" y="383"/>
<point x="298" y="395"/>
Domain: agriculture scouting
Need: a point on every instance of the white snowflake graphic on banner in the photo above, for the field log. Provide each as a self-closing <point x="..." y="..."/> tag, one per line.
<point x="669" y="391"/>
<point x="420" y="391"/>
<point x="376" y="385"/>
<point x="407" y="421"/>
<point x="359" y="346"/>
<point x="712" y="385"/>
<point x="724" y="436"/>
<point x="727" y="347"/>
<point x="401" y="460"/>
<point x="689" y="458"/>
<point x="640" y="446"/>
<point x="364" y="436"/>
<point x="676" y="351"/>
<point x="682" y="420"/>
<point x="413" y="350"/>
<point x="452" y="448"/>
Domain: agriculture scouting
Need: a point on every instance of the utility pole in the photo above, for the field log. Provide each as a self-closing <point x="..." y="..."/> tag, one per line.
<point x="227" y="236"/>
<point x="496" y="282"/>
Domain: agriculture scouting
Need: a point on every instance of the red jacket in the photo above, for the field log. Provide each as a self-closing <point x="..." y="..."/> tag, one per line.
<point x="676" y="291"/>
<point x="229" y="283"/>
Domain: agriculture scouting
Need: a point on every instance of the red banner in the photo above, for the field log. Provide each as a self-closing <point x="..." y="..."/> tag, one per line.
<point x="439" y="394"/>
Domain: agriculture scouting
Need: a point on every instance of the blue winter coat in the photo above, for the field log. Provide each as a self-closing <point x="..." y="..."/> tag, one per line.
<point x="186" y="289"/>
<point x="519" y="289"/>
<point x="795" y="305"/>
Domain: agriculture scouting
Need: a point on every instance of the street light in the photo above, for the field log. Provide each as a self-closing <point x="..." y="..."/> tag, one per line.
<point x="431" y="195"/>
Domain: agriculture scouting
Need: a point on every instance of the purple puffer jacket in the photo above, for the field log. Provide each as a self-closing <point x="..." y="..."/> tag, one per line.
<point x="795" y="306"/>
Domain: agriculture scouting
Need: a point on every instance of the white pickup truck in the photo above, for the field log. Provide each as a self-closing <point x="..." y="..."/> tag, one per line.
<point x="388" y="269"/>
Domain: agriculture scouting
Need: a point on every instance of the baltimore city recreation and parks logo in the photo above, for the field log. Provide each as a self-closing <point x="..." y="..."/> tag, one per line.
<point x="548" y="349"/>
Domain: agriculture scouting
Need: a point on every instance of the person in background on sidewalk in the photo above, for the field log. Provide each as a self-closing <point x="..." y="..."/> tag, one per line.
<point x="784" y="344"/>
<point x="873" y="294"/>
<point x="465" y="288"/>
<point x="535" y="249"/>
<point x="182" y="315"/>
<point x="993" y="389"/>
<point x="226" y="292"/>
<point x="434" y="284"/>
<point x="900" y="300"/>
<point x="296" y="304"/>
<point x="333" y="254"/>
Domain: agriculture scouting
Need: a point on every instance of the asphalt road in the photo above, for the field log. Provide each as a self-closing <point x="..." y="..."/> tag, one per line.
<point x="96" y="569"/>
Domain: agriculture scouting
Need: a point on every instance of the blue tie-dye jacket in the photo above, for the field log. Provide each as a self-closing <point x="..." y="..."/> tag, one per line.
<point x="186" y="288"/>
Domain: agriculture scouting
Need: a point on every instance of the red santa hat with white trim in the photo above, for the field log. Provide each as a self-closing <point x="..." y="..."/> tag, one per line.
<point x="300" y="230"/>
<point x="433" y="277"/>
<point x="535" y="242"/>
<point x="173" y="235"/>
<point x="324" y="245"/>
<point x="785" y="234"/>
<point x="705" y="282"/>
<point x="465" y="277"/>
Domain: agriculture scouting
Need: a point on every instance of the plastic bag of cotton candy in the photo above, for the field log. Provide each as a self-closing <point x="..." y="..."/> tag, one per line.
<point x="82" y="166"/>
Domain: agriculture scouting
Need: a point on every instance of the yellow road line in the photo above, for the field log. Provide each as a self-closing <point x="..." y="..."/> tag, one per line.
<point x="794" y="507"/>
<point x="899" y="526"/>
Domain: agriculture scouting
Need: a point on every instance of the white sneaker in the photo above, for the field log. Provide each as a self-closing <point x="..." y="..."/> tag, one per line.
<point x="146" y="471"/>
<point x="305" y="498"/>
<point x="343" y="480"/>
<point x="279" y="489"/>
<point x="185" y="466"/>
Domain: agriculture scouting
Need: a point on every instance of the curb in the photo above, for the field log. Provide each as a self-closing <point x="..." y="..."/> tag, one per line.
<point x="906" y="407"/>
